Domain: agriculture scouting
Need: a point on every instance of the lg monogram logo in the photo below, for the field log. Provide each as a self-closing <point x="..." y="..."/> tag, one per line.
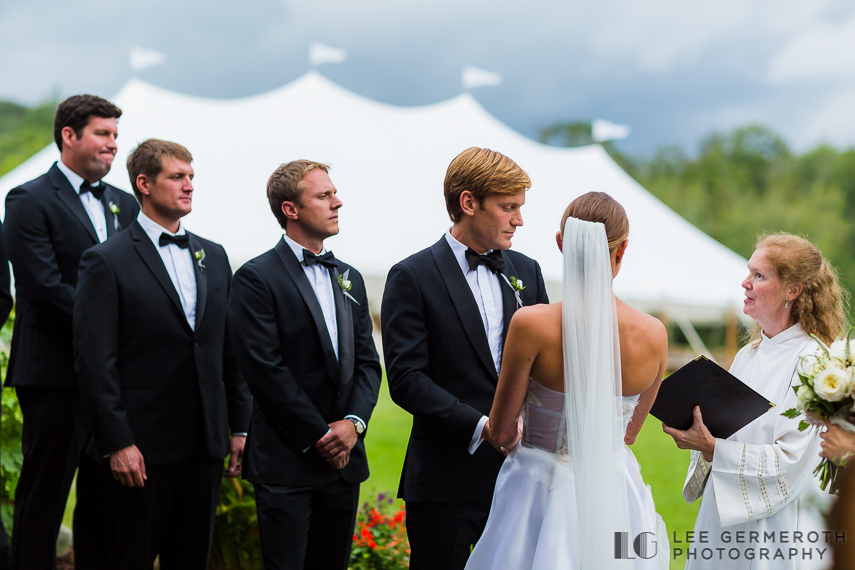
<point x="644" y="546"/>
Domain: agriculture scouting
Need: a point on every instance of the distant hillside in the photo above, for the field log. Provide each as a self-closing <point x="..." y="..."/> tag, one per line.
<point x="23" y="132"/>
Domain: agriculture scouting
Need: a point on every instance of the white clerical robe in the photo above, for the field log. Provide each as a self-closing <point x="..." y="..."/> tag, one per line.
<point x="761" y="478"/>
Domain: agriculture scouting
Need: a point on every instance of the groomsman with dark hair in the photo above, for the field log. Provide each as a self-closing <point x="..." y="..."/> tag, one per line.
<point x="157" y="372"/>
<point x="303" y="336"/>
<point x="50" y="222"/>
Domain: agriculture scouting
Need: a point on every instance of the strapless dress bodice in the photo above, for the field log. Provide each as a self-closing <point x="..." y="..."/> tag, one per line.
<point x="544" y="423"/>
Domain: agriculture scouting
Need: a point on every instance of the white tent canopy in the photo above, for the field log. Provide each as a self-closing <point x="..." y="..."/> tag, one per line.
<point x="388" y="164"/>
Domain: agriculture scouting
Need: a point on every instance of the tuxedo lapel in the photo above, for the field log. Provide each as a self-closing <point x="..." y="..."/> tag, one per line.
<point x="107" y="198"/>
<point x="344" y="321"/>
<point x="295" y="270"/>
<point x="71" y="199"/>
<point x="152" y="259"/>
<point x="509" y="300"/>
<point x="201" y="279"/>
<point x="464" y="302"/>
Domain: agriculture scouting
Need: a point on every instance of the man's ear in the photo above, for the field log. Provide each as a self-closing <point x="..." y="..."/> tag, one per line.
<point x="468" y="203"/>
<point x="290" y="210"/>
<point x="142" y="183"/>
<point x="68" y="136"/>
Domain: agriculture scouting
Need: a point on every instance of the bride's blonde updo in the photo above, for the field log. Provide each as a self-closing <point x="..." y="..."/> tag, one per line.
<point x="820" y="307"/>
<point x="602" y="208"/>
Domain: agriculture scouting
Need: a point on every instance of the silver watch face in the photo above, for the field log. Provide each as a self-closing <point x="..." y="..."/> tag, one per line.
<point x="358" y="425"/>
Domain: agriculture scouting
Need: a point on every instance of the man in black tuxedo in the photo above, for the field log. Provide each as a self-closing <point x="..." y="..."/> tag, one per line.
<point x="157" y="372"/>
<point x="302" y="332"/>
<point x="445" y="315"/>
<point x="50" y="222"/>
<point x="6" y="304"/>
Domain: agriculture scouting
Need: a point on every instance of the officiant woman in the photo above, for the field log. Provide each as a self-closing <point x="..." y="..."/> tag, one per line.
<point x="761" y="478"/>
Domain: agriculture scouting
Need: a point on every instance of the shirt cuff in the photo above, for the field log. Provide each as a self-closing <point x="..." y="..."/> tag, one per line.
<point x="476" y="437"/>
<point x="357" y="418"/>
<point x="242" y="433"/>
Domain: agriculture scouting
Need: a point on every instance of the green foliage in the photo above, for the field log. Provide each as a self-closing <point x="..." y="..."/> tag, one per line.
<point x="236" y="543"/>
<point x="11" y="425"/>
<point x="23" y="132"/>
<point x="747" y="182"/>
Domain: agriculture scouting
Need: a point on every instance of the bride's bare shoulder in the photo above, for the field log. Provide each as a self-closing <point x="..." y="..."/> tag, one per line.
<point x="534" y="317"/>
<point x="640" y="325"/>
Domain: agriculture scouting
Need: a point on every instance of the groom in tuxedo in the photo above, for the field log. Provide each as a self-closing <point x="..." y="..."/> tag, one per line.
<point x="50" y="222"/>
<point x="445" y="314"/>
<point x="157" y="372"/>
<point x="302" y="332"/>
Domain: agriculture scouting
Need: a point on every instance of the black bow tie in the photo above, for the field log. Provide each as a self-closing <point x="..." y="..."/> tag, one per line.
<point x="182" y="241"/>
<point x="96" y="191"/>
<point x="492" y="261"/>
<point x="327" y="259"/>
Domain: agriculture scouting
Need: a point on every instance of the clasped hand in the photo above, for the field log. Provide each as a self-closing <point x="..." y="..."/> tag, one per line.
<point x="503" y="447"/>
<point x="335" y="446"/>
<point x="697" y="437"/>
<point x="838" y="445"/>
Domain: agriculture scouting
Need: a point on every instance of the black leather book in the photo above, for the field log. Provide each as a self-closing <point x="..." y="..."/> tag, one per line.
<point x="727" y="405"/>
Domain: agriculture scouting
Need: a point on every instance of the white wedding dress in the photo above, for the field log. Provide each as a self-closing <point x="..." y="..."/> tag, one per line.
<point x="532" y="514"/>
<point x="570" y="496"/>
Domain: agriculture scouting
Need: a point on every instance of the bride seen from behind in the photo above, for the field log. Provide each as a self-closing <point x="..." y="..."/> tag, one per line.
<point x="579" y="371"/>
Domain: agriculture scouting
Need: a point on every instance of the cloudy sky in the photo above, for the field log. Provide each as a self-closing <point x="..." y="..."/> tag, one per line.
<point x="674" y="70"/>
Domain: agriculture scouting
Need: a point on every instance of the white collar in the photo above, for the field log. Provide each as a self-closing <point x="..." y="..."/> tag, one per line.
<point x="73" y="178"/>
<point x="297" y="248"/>
<point x="795" y="331"/>
<point x="459" y="251"/>
<point x="153" y="229"/>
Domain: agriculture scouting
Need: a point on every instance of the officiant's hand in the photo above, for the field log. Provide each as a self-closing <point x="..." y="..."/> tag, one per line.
<point x="838" y="445"/>
<point x="128" y="466"/>
<point x="236" y="446"/>
<point x="697" y="437"/>
<point x="341" y="437"/>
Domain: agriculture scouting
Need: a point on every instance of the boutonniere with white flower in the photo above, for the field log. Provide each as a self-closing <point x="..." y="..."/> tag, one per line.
<point x="345" y="286"/>
<point x="114" y="209"/>
<point x="516" y="286"/>
<point x="200" y="258"/>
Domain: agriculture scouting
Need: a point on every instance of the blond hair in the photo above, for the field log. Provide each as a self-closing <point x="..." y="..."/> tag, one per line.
<point x="821" y="305"/>
<point x="284" y="185"/>
<point x="481" y="172"/>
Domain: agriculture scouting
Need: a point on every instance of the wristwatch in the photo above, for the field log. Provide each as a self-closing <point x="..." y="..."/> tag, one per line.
<point x="360" y="427"/>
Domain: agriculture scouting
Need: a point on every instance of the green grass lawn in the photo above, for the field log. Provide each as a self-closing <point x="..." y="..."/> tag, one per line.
<point x="662" y="465"/>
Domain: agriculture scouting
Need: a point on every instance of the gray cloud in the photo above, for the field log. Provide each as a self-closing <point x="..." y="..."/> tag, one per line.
<point x="673" y="70"/>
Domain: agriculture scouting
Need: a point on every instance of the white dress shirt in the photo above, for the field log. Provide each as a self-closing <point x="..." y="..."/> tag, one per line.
<point x="321" y="282"/>
<point x="178" y="263"/>
<point x="487" y="291"/>
<point x="93" y="206"/>
<point x="319" y="279"/>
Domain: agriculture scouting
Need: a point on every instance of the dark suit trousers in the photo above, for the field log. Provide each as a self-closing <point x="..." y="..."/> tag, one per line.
<point x="52" y="441"/>
<point x="307" y="528"/>
<point x="171" y="516"/>
<point x="442" y="534"/>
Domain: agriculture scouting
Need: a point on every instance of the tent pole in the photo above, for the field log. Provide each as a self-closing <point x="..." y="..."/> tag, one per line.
<point x="730" y="338"/>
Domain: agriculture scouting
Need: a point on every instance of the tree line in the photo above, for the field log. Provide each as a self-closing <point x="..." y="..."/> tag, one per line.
<point x="745" y="182"/>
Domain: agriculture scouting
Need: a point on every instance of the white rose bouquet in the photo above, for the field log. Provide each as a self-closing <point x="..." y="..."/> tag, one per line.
<point x="826" y="392"/>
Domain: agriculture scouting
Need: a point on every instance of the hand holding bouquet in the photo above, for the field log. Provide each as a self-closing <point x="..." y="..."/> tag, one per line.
<point x="826" y="394"/>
